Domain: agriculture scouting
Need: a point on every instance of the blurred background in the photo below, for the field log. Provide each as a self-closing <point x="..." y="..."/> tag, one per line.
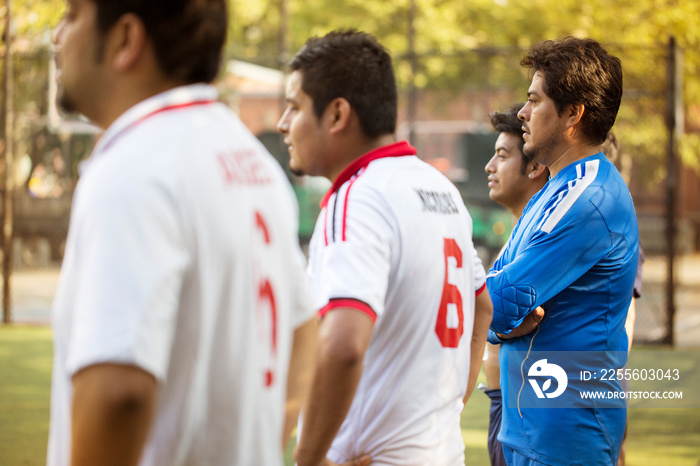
<point x="455" y="61"/>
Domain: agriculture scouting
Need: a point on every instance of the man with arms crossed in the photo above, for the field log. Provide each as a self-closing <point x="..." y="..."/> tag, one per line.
<point x="393" y="269"/>
<point x="513" y="179"/>
<point x="573" y="254"/>
<point x="180" y="289"/>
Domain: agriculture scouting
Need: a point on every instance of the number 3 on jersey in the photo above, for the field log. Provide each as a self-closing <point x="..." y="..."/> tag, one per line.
<point x="266" y="300"/>
<point x="449" y="336"/>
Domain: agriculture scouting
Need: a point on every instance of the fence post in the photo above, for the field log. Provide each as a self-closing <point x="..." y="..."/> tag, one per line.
<point x="7" y="220"/>
<point x="674" y="124"/>
<point x="413" y="60"/>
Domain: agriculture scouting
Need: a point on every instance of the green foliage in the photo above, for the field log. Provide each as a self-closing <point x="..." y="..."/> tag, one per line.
<point x="471" y="46"/>
<point x="35" y="18"/>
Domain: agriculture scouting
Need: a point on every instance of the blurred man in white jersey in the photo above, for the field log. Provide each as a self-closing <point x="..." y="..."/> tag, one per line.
<point x="182" y="283"/>
<point x="394" y="274"/>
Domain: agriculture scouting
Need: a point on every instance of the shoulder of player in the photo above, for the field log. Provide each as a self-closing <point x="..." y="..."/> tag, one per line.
<point x="406" y="187"/>
<point x="567" y="198"/>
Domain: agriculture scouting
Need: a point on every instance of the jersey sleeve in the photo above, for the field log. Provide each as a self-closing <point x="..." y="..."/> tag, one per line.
<point x="354" y="236"/>
<point x="549" y="263"/>
<point x="132" y="261"/>
<point x="479" y="273"/>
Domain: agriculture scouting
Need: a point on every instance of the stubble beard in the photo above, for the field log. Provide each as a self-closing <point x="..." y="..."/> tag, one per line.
<point x="530" y="153"/>
<point x="542" y="152"/>
<point x="63" y="99"/>
<point x="64" y="102"/>
<point x="296" y="171"/>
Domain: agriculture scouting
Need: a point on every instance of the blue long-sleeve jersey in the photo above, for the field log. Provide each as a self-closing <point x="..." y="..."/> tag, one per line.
<point x="574" y="252"/>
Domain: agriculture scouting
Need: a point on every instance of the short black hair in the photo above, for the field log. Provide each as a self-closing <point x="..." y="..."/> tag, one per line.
<point x="355" y="66"/>
<point x="188" y="35"/>
<point x="580" y="71"/>
<point x="508" y="122"/>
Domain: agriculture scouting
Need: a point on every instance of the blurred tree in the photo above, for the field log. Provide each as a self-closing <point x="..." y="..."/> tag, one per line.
<point x="35" y="18"/>
<point x="473" y="45"/>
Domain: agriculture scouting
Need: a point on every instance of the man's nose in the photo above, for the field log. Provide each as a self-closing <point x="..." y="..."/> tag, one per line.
<point x="489" y="166"/>
<point x="56" y="33"/>
<point x="283" y="124"/>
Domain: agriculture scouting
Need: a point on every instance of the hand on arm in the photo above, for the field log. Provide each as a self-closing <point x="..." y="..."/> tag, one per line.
<point x="483" y="313"/>
<point x="112" y="410"/>
<point x="549" y="262"/>
<point x="301" y="367"/>
<point x="528" y="325"/>
<point x="343" y="338"/>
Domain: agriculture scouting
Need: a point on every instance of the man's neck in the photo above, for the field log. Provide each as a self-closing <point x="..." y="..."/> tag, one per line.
<point x="571" y="155"/>
<point x="517" y="210"/>
<point x="359" y="151"/>
<point x="125" y="97"/>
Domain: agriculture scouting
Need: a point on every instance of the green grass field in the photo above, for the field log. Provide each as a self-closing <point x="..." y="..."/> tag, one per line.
<point x="656" y="437"/>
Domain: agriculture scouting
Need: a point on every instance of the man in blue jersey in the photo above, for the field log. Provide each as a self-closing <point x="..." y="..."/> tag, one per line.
<point x="564" y="281"/>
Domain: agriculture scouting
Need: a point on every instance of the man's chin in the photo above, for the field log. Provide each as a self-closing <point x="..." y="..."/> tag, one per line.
<point x="66" y="104"/>
<point x="529" y="152"/>
<point x="296" y="171"/>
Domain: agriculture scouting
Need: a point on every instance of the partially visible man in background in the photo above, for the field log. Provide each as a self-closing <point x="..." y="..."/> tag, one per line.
<point x="611" y="149"/>
<point x="182" y="283"/>
<point x="513" y="179"/>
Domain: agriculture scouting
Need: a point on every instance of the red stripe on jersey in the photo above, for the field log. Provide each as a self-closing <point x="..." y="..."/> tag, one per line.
<point x="351" y="303"/>
<point x="325" y="225"/>
<point x="480" y="290"/>
<point x="345" y="204"/>
<point x="156" y="112"/>
<point x="398" y="149"/>
<point x="260" y="223"/>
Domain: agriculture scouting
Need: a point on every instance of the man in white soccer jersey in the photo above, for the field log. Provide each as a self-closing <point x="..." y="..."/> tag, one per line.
<point x="182" y="282"/>
<point x="393" y="270"/>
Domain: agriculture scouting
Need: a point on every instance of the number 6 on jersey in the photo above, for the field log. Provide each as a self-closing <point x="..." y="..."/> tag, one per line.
<point x="449" y="336"/>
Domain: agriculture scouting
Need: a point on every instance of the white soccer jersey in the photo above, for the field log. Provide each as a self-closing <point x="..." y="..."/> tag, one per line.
<point x="394" y="240"/>
<point x="183" y="259"/>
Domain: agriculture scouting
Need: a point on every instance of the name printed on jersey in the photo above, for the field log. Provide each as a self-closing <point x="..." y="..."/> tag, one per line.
<point x="438" y="202"/>
<point x="243" y="167"/>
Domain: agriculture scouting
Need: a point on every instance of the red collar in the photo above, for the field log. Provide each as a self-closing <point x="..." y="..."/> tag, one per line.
<point x="145" y="117"/>
<point x="398" y="149"/>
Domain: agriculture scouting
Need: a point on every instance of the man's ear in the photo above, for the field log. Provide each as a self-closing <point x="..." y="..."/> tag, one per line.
<point x="574" y="113"/>
<point x="535" y="169"/>
<point x="338" y="114"/>
<point x="126" y="42"/>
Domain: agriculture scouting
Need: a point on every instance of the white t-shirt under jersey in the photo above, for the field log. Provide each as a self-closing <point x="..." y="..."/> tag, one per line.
<point x="183" y="259"/>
